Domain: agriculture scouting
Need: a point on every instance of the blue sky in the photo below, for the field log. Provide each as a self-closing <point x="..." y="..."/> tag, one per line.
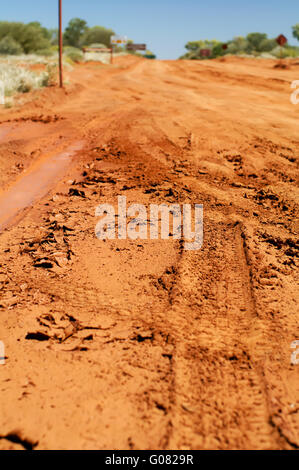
<point x="166" y="25"/>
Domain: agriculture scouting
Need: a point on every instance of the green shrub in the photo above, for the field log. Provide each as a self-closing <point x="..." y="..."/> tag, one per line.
<point x="268" y="45"/>
<point x="44" y="52"/>
<point x="9" y="46"/>
<point x="238" y="45"/>
<point x="24" y="86"/>
<point x="292" y="51"/>
<point x="97" y="34"/>
<point x="20" y="80"/>
<point x="283" y="52"/>
<point x="149" y="55"/>
<point x="31" y="36"/>
<point x="254" y="45"/>
<point x="50" y="77"/>
<point x="255" y="41"/>
<point x="74" y="54"/>
<point x="296" y="31"/>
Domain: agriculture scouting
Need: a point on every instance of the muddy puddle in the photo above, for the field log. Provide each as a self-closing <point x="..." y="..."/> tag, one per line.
<point x="34" y="184"/>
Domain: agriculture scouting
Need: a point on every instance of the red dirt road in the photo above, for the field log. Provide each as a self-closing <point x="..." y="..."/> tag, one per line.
<point x="140" y="344"/>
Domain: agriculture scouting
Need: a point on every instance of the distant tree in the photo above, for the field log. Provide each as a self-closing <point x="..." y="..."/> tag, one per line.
<point x="194" y="48"/>
<point x="267" y="45"/>
<point x="254" y="44"/>
<point x="202" y="44"/>
<point x="194" y="45"/>
<point x="45" y="32"/>
<point x="296" y="31"/>
<point x="255" y="41"/>
<point x="238" y="45"/>
<point x="9" y="46"/>
<point x="13" y="30"/>
<point x="97" y="34"/>
<point x="74" y="32"/>
<point x="217" y="50"/>
<point x="32" y="36"/>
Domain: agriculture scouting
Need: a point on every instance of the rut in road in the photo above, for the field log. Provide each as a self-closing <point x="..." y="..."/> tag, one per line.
<point x="212" y="325"/>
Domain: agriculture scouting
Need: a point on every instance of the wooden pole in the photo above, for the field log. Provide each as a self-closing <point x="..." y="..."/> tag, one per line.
<point x="60" y="43"/>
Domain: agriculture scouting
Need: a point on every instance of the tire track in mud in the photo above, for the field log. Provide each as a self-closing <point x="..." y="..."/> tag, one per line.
<point x="219" y="344"/>
<point x="212" y="360"/>
<point x="264" y="353"/>
<point x="235" y="287"/>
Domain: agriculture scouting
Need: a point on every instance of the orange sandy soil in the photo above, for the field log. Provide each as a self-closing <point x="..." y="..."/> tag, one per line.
<point x="124" y="344"/>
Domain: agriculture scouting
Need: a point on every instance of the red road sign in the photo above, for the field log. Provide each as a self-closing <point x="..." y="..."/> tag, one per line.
<point x="224" y="46"/>
<point x="281" y="40"/>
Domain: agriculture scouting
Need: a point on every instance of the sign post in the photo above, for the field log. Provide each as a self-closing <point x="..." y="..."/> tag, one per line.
<point x="117" y="40"/>
<point x="281" y="41"/>
<point x="100" y="49"/>
<point x="60" y="43"/>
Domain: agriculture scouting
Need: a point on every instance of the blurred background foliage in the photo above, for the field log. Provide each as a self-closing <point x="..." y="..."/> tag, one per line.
<point x="254" y="44"/>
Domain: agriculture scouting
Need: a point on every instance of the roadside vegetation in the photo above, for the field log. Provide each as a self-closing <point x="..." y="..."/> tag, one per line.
<point x="25" y="46"/>
<point x="33" y="38"/>
<point x="27" y="72"/>
<point x="253" y="45"/>
<point x="19" y="79"/>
